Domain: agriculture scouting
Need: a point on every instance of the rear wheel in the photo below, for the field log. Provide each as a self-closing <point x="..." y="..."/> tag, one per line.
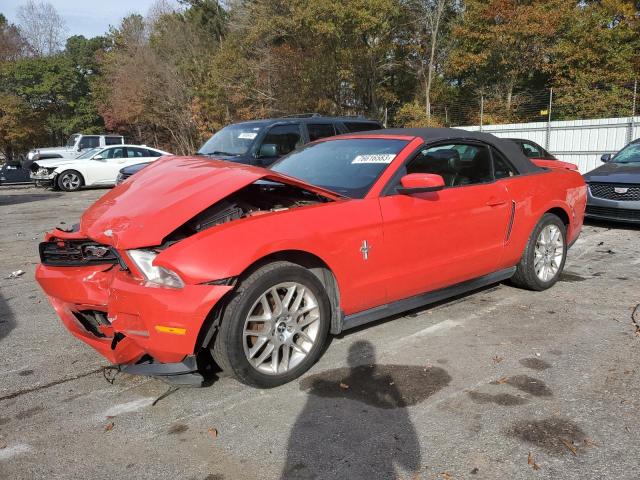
<point x="274" y="327"/>
<point x="70" y="181"/>
<point x="543" y="259"/>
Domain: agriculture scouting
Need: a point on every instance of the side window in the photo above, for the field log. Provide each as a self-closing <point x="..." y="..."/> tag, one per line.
<point x="501" y="167"/>
<point x="285" y="137"/>
<point x="153" y="153"/>
<point x="136" y="152"/>
<point x="531" y="150"/>
<point x="361" y="126"/>
<point x="89" y="141"/>
<point x="457" y="164"/>
<point x="112" y="140"/>
<point x="320" y="130"/>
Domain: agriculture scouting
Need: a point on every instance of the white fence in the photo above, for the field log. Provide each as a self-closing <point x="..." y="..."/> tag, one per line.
<point x="577" y="141"/>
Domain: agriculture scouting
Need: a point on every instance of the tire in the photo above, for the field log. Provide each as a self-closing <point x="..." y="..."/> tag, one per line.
<point x="530" y="273"/>
<point x="70" y="181"/>
<point x="295" y="336"/>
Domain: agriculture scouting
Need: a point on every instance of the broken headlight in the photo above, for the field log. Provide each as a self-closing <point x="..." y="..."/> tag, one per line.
<point x="143" y="259"/>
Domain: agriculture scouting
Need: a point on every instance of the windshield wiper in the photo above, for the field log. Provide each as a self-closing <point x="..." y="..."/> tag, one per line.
<point x="219" y="152"/>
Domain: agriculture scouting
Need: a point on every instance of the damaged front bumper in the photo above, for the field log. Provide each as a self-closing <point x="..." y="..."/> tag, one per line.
<point x="43" y="179"/>
<point x="133" y="324"/>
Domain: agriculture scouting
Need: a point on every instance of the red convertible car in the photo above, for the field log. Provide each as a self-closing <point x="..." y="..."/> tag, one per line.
<point x="195" y="258"/>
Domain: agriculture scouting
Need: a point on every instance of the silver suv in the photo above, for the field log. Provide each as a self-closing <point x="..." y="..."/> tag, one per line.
<point x="75" y="145"/>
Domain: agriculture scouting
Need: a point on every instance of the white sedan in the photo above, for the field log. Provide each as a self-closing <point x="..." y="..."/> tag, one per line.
<point x="95" y="167"/>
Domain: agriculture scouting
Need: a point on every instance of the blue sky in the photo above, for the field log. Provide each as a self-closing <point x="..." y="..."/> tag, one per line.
<point x="85" y="17"/>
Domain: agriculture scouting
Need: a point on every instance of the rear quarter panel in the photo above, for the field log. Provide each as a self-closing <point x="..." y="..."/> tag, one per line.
<point x="536" y="194"/>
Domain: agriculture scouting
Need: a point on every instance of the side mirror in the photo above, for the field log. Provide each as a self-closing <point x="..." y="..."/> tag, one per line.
<point x="98" y="157"/>
<point x="420" y="183"/>
<point x="606" y="157"/>
<point x="268" y="150"/>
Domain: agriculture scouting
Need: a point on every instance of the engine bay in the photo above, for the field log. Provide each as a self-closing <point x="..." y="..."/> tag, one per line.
<point x="259" y="198"/>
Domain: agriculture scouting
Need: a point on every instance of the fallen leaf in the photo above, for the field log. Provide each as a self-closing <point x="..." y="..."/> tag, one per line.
<point x="569" y="445"/>
<point x="2" y="445"/>
<point x="109" y="426"/>
<point x="446" y="476"/>
<point x="531" y="461"/>
<point x="213" y="432"/>
<point x="497" y="359"/>
<point x="589" y="443"/>
<point x="502" y="381"/>
<point x="627" y="429"/>
<point x="344" y="386"/>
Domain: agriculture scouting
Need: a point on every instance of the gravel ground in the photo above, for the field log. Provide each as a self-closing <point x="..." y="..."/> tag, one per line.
<point x="502" y="383"/>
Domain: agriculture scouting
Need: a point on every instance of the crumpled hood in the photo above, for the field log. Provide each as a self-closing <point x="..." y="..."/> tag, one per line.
<point x="57" y="162"/>
<point x="165" y="195"/>
<point x="613" y="172"/>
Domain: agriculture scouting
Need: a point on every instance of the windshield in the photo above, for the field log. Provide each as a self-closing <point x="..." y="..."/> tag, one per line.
<point x="629" y="154"/>
<point x="232" y="140"/>
<point x="349" y="167"/>
<point x="88" y="154"/>
<point x="72" y="140"/>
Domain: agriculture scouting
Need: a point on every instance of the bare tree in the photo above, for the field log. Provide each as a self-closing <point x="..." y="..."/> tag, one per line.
<point x="42" y="27"/>
<point x="433" y="14"/>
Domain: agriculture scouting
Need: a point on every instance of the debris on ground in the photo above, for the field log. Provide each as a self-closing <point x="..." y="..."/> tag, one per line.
<point x="531" y="461"/>
<point x="213" y="432"/>
<point x="446" y="476"/>
<point x="589" y="443"/>
<point x="497" y="359"/>
<point x="109" y="426"/>
<point x="344" y="386"/>
<point x="635" y="319"/>
<point x="3" y="444"/>
<point x="475" y="471"/>
<point x="16" y="274"/>
<point x="569" y="445"/>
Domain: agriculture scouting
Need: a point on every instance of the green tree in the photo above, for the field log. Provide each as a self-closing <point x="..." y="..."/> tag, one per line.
<point x="596" y="60"/>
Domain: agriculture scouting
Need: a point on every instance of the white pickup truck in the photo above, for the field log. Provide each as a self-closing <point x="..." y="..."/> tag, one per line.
<point x="75" y="145"/>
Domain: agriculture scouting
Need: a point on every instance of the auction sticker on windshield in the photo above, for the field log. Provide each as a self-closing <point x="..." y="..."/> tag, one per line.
<point x="374" y="158"/>
<point x="248" y="135"/>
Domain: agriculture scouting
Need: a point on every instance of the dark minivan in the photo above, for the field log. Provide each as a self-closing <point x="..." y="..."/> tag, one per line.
<point x="262" y="142"/>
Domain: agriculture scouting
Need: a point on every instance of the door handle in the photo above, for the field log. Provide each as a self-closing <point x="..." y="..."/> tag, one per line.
<point x="494" y="202"/>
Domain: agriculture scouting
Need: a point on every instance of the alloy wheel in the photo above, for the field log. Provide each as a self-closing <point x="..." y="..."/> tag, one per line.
<point x="281" y="329"/>
<point x="548" y="254"/>
<point x="71" y="181"/>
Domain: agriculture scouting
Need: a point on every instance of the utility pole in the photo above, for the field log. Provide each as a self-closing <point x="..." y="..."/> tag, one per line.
<point x="632" y="120"/>
<point x="481" y="109"/>
<point x="547" y="139"/>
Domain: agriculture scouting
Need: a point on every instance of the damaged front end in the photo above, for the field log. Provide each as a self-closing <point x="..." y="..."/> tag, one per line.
<point x="106" y="286"/>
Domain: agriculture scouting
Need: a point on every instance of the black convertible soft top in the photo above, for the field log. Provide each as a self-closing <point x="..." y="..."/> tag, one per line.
<point x="508" y="148"/>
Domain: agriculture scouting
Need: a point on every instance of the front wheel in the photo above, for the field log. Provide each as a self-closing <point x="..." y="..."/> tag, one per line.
<point x="274" y="327"/>
<point x="544" y="256"/>
<point x="70" y="181"/>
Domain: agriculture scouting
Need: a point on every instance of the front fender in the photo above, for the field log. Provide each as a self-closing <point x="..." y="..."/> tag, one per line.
<point x="332" y="232"/>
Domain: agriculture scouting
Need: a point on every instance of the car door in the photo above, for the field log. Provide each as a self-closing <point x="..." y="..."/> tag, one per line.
<point x="438" y="239"/>
<point x="277" y="142"/>
<point x="107" y="167"/>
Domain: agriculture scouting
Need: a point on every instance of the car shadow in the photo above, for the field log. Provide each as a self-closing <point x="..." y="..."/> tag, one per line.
<point x="7" y="319"/>
<point x="6" y="200"/>
<point x="591" y="222"/>
<point x="359" y="415"/>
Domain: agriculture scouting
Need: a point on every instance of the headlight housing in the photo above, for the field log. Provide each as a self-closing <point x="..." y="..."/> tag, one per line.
<point x="143" y="259"/>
